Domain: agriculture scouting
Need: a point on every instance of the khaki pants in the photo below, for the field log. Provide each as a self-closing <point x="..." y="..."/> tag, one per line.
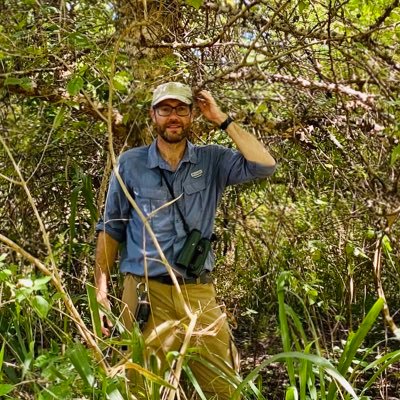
<point x="218" y="349"/>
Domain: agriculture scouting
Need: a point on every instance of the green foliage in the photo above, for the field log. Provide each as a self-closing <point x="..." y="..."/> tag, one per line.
<point x="395" y="155"/>
<point x="306" y="387"/>
<point x="75" y="85"/>
<point x="58" y="370"/>
<point x="195" y="3"/>
<point x="80" y="360"/>
<point x="318" y="83"/>
<point x="94" y="309"/>
<point x="354" y="342"/>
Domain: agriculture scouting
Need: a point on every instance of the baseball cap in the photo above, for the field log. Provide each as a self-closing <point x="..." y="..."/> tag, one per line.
<point x="172" y="90"/>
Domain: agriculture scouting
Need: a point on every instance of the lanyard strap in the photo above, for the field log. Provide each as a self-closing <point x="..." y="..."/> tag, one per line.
<point x="171" y="191"/>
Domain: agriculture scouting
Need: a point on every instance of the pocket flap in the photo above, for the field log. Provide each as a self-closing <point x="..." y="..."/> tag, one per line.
<point x="151" y="193"/>
<point x="195" y="185"/>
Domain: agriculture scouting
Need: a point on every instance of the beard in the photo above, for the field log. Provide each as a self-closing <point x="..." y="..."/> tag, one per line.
<point x="174" y="135"/>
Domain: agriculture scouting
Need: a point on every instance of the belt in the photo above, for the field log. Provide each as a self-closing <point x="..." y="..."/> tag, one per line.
<point x="205" y="277"/>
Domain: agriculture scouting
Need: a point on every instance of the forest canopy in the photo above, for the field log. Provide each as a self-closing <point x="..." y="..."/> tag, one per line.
<point x="316" y="81"/>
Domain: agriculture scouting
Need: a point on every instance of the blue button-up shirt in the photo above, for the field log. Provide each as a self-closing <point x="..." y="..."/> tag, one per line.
<point x="199" y="182"/>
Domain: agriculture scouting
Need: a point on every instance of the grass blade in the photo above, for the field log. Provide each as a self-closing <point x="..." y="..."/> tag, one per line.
<point x="386" y="360"/>
<point x="94" y="309"/>
<point x="137" y="343"/>
<point x="285" y="333"/>
<point x="316" y="360"/>
<point x="291" y="393"/>
<point x="72" y="217"/>
<point x="194" y="382"/>
<point x="2" y="356"/>
<point x="148" y="374"/>
<point x="87" y="191"/>
<point x="354" y="342"/>
<point x="80" y="360"/>
<point x="305" y="371"/>
<point x="113" y="393"/>
<point x="297" y="323"/>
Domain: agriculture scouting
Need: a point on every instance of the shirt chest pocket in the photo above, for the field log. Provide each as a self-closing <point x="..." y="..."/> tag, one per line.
<point x="152" y="202"/>
<point x="195" y="201"/>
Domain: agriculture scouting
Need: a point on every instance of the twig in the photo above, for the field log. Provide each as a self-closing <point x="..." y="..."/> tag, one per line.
<point x="28" y="71"/>
<point x="32" y="203"/>
<point x="7" y="178"/>
<point x="175" y="373"/>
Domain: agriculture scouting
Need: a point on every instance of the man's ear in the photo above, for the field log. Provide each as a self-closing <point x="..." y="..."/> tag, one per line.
<point x="152" y="114"/>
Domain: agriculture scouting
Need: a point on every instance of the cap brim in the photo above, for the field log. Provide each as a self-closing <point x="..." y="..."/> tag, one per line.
<point x="183" y="99"/>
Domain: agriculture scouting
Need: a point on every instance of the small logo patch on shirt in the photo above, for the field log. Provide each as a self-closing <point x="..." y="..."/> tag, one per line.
<point x="197" y="174"/>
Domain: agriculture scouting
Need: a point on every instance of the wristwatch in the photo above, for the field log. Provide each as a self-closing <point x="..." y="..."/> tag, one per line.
<point x="226" y="123"/>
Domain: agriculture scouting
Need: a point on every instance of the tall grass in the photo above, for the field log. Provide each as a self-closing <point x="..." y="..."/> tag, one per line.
<point x="303" y="376"/>
<point x="39" y="359"/>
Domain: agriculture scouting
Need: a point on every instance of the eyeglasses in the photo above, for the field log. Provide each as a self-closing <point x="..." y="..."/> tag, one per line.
<point x="165" y="111"/>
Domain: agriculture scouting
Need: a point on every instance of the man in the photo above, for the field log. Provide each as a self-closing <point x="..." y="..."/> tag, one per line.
<point x="173" y="168"/>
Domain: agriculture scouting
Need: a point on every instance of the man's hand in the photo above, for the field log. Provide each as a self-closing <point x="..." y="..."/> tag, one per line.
<point x="106" y="324"/>
<point x="209" y="108"/>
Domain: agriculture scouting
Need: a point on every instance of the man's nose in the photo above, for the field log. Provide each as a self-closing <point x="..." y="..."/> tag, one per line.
<point x="173" y="113"/>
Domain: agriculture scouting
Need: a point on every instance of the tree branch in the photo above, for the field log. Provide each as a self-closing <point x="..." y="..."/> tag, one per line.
<point x="367" y="99"/>
<point x="88" y="105"/>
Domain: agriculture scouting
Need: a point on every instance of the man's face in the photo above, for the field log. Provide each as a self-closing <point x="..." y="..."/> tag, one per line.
<point x="172" y="128"/>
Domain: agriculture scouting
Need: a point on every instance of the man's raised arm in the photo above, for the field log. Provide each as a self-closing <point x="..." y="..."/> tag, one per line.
<point x="251" y="148"/>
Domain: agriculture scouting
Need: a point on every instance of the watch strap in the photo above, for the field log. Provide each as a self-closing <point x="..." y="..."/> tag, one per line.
<point x="226" y="123"/>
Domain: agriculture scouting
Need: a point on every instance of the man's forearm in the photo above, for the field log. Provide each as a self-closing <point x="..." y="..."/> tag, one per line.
<point x="251" y="148"/>
<point x="106" y="253"/>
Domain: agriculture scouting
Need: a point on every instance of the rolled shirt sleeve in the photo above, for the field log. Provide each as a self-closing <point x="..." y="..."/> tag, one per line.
<point x="235" y="169"/>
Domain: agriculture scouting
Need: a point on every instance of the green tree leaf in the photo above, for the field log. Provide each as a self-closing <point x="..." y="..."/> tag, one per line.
<point x="41" y="305"/>
<point x="75" y="85"/>
<point x="121" y="81"/>
<point x="5" y="388"/>
<point x="79" y="40"/>
<point x="195" y="3"/>
<point x="302" y="6"/>
<point x="395" y="155"/>
<point x="40" y="283"/>
<point x="59" y="118"/>
<point x="24" y="83"/>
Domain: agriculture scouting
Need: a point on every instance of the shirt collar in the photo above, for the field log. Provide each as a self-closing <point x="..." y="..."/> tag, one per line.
<point x="154" y="158"/>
